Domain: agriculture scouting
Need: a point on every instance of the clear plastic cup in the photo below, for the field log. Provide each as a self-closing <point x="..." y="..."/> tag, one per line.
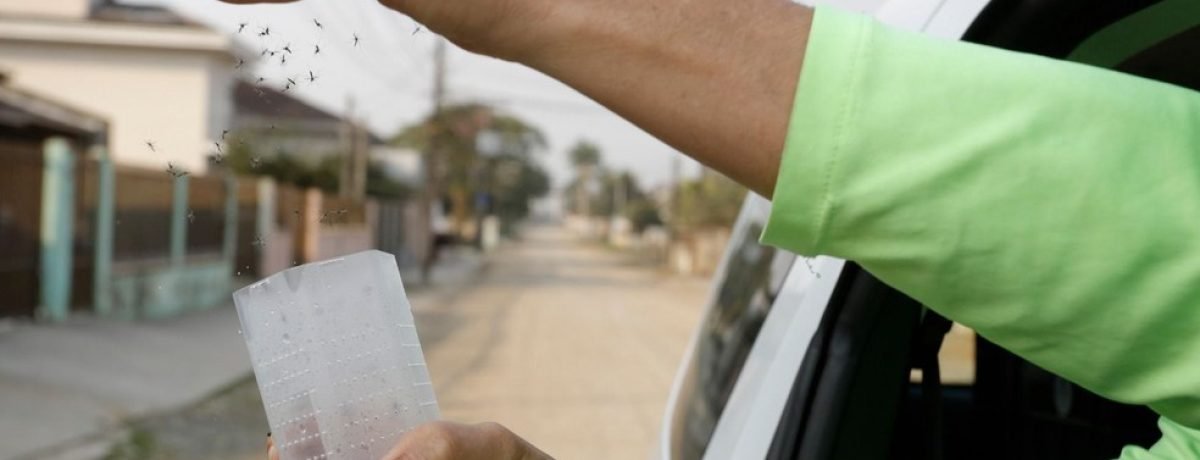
<point x="336" y="356"/>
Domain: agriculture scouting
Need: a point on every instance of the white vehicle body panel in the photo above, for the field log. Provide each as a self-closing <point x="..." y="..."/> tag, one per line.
<point x="747" y="424"/>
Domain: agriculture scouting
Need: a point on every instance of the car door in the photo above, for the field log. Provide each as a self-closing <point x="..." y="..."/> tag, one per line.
<point x="851" y="392"/>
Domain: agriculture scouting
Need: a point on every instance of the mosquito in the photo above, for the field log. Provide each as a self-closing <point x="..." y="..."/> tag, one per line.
<point x="291" y="82"/>
<point x="317" y="49"/>
<point x="258" y="242"/>
<point x="191" y="217"/>
<point x="318" y="23"/>
<point x="240" y="63"/>
<point x="255" y="162"/>
<point x="264" y="32"/>
<point x="312" y="78"/>
<point x="288" y="48"/>
<point x="355" y="39"/>
<point x="259" y="80"/>
<point x="153" y="148"/>
<point x="282" y="59"/>
<point x="242" y="26"/>
<point x="175" y="172"/>
<point x="219" y="149"/>
<point x="218" y="159"/>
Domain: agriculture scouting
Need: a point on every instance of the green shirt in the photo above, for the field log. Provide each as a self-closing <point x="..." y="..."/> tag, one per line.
<point x="1051" y="206"/>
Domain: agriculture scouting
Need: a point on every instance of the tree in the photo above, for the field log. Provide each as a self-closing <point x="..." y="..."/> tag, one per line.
<point x="712" y="200"/>
<point x="244" y="160"/>
<point x="484" y="155"/>
<point x="585" y="157"/>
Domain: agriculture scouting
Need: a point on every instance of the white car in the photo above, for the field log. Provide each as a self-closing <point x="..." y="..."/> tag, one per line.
<point x="813" y="358"/>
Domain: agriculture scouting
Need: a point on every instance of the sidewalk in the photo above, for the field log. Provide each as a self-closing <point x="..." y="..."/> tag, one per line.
<point x="66" y="389"/>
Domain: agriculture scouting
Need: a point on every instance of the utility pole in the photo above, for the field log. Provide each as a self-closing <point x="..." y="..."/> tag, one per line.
<point x="352" y="181"/>
<point x="675" y="202"/>
<point x="620" y="196"/>
<point x="432" y="161"/>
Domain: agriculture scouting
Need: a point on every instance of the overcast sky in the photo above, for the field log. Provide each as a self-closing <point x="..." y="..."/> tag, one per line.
<point x="389" y="74"/>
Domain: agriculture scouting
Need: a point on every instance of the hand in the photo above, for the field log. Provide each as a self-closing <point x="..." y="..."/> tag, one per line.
<point x="446" y="441"/>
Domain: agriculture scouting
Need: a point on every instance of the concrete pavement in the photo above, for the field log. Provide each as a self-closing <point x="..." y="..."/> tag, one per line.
<point x="62" y="386"/>
<point x="66" y="390"/>
<point x="567" y="344"/>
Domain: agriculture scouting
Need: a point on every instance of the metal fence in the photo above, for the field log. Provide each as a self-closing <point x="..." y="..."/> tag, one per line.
<point x="206" y="216"/>
<point x="142" y="216"/>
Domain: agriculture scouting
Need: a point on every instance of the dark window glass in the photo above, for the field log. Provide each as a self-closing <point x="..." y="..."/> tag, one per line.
<point x="750" y="284"/>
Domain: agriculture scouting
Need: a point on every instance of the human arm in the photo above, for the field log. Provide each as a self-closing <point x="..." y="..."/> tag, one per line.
<point x="1053" y="207"/>
<point x="712" y="78"/>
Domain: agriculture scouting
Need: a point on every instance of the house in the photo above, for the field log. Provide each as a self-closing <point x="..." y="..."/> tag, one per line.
<point x="273" y="123"/>
<point x="156" y="77"/>
<point x="27" y="248"/>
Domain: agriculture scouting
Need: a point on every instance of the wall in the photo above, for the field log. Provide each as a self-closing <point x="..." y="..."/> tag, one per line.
<point x="159" y="290"/>
<point x="75" y="9"/>
<point x="180" y="100"/>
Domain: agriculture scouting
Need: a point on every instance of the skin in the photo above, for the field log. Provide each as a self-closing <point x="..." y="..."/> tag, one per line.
<point x="445" y="440"/>
<point x="715" y="79"/>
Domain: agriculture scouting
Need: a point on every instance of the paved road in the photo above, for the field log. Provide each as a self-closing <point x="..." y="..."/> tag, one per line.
<point x="565" y="342"/>
<point x="568" y="344"/>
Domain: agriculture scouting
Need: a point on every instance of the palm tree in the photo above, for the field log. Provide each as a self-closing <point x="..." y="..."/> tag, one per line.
<point x="585" y="157"/>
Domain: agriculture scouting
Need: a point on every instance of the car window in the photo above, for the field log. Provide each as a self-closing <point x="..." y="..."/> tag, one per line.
<point x="751" y="282"/>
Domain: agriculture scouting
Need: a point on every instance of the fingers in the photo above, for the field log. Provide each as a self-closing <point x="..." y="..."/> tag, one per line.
<point x="272" y="454"/>
<point x="444" y="440"/>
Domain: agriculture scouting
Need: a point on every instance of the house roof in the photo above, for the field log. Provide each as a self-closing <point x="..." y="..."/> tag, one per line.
<point x="115" y="24"/>
<point x="20" y="109"/>
<point x="109" y="10"/>
<point x="269" y="103"/>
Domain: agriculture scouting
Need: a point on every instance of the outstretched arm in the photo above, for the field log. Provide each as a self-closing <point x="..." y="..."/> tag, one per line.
<point x="713" y="78"/>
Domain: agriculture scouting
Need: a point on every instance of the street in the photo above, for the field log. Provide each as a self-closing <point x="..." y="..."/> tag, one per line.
<point x="568" y="343"/>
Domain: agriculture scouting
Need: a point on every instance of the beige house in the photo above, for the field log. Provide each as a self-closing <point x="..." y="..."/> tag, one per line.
<point x="157" y="77"/>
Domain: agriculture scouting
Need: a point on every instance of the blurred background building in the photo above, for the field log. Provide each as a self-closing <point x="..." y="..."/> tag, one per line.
<point x="157" y="76"/>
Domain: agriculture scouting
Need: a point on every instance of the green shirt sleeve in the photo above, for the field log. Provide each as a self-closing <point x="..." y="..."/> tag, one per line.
<point x="1051" y="206"/>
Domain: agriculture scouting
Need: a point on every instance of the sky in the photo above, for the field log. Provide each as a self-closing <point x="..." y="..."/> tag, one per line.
<point x="389" y="75"/>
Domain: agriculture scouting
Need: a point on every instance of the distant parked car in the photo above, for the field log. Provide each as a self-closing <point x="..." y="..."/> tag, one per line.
<point x="814" y="358"/>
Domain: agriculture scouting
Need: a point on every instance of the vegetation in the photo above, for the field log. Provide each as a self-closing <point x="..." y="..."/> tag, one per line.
<point x="287" y="169"/>
<point x="487" y="162"/>
<point x="712" y="200"/>
<point x="595" y="191"/>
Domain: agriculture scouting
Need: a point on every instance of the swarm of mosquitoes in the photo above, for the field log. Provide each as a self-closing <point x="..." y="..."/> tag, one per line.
<point x="270" y="53"/>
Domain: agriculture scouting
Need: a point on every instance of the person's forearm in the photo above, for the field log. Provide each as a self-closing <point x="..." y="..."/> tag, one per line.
<point x="713" y="78"/>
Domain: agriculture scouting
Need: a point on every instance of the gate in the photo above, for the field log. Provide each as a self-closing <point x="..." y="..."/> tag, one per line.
<point x="20" y="225"/>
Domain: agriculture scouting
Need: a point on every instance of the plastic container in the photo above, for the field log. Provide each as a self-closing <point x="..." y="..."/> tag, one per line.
<point x="336" y="356"/>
